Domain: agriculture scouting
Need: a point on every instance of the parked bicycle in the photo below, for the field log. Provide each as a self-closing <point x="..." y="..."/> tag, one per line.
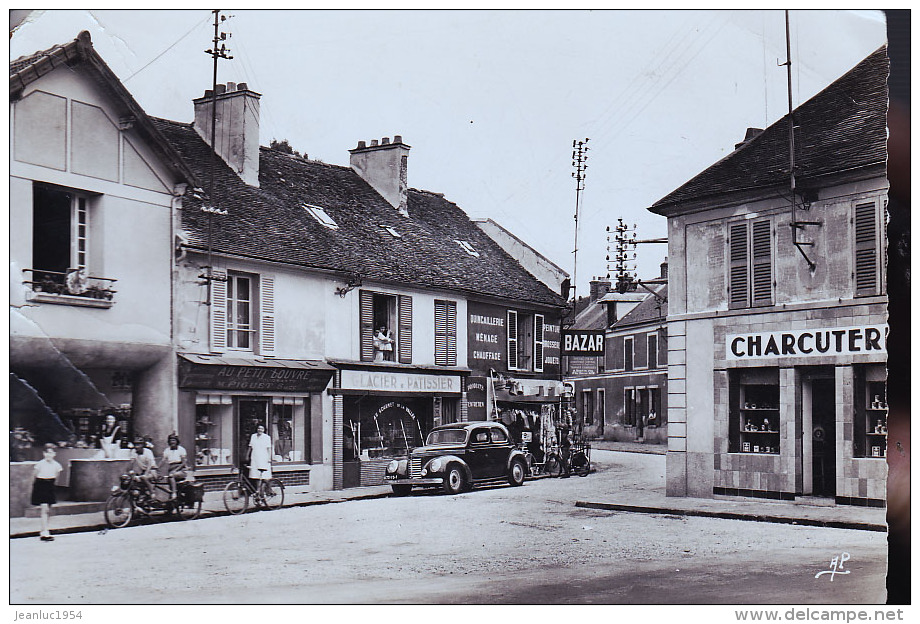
<point x="580" y="461"/>
<point x="267" y="494"/>
<point x="550" y="464"/>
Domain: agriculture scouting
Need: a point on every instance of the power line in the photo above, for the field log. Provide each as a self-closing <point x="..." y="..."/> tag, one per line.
<point x="154" y="59"/>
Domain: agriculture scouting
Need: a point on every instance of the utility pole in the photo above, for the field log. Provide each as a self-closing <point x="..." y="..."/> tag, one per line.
<point x="579" y="161"/>
<point x="218" y="51"/>
<point x="806" y="201"/>
<point x="624" y="237"/>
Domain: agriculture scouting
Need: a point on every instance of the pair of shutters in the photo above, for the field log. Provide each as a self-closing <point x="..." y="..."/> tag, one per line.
<point x="264" y="342"/>
<point x="404" y="327"/>
<point x="750" y="278"/>
<point x="445" y="333"/>
<point x="514" y="341"/>
<point x="866" y="273"/>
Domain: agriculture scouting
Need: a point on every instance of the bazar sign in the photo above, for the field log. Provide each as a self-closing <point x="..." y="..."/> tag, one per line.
<point x="399" y="382"/>
<point x="583" y="342"/>
<point x="807" y="342"/>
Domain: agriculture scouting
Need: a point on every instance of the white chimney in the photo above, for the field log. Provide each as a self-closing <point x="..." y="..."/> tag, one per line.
<point x="237" y="127"/>
<point x="384" y="166"/>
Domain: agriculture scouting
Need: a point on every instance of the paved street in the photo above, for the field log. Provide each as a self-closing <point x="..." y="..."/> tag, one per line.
<point x="498" y="545"/>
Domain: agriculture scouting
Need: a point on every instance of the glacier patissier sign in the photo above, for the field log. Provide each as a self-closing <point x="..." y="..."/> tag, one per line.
<point x="804" y="343"/>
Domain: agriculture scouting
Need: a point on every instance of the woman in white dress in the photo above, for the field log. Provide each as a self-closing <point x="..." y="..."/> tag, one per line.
<point x="260" y="454"/>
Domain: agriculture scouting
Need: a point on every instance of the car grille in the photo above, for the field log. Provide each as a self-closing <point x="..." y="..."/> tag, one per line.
<point x="415" y="467"/>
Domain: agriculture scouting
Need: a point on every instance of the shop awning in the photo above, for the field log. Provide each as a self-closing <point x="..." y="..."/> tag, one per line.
<point x="230" y="372"/>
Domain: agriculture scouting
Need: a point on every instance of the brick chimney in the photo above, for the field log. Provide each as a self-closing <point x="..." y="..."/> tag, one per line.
<point x="664" y="268"/>
<point x="749" y="135"/>
<point x="598" y="288"/>
<point x="237" y="127"/>
<point x="384" y="166"/>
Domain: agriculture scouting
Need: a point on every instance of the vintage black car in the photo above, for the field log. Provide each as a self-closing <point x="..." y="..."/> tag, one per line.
<point x="458" y="456"/>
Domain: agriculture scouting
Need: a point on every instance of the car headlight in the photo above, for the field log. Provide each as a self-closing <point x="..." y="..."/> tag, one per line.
<point x="435" y="465"/>
<point x="393" y="466"/>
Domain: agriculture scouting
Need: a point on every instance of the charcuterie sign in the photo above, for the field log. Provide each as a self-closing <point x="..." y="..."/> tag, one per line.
<point x="799" y="343"/>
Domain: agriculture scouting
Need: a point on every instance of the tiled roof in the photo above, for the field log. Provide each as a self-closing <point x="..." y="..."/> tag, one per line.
<point x="652" y="309"/>
<point x="841" y="129"/>
<point x="270" y="223"/>
<point x="594" y="316"/>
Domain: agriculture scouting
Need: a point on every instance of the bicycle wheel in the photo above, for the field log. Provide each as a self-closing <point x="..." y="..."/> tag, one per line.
<point x="118" y="511"/>
<point x="580" y="464"/>
<point x="236" y="497"/>
<point x="553" y="465"/>
<point x="272" y="493"/>
<point x="187" y="510"/>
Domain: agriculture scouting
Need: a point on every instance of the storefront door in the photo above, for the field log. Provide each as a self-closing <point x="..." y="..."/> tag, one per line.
<point x="823" y="441"/>
<point x="253" y="412"/>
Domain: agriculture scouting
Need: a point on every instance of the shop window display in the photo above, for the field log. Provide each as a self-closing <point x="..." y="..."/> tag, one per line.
<point x="289" y="430"/>
<point x="213" y="419"/>
<point x="754" y="411"/>
<point x="871" y="413"/>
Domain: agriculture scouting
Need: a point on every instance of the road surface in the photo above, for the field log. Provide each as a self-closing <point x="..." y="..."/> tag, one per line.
<point x="501" y="545"/>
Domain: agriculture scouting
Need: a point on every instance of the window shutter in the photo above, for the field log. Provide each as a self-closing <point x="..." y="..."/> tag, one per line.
<point x="652" y="351"/>
<point x="445" y="333"/>
<point x="628" y="353"/>
<point x="451" y="333"/>
<point x="738" y="266"/>
<point x="440" y="333"/>
<point x="366" y="324"/>
<point x="512" y="340"/>
<point x="866" y="250"/>
<point x="218" y="311"/>
<point x="404" y="340"/>
<point x="266" y="315"/>
<point x="761" y="264"/>
<point x="538" y="343"/>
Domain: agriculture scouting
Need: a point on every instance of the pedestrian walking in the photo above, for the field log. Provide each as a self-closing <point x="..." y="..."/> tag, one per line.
<point x="565" y="447"/>
<point x="46" y="473"/>
<point x="260" y="454"/>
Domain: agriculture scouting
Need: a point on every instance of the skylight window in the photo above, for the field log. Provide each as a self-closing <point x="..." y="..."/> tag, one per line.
<point x="320" y="215"/>
<point x="392" y="232"/>
<point x="467" y="248"/>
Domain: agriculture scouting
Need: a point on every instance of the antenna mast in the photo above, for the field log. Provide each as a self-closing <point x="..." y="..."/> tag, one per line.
<point x="579" y="161"/>
<point x="218" y="51"/>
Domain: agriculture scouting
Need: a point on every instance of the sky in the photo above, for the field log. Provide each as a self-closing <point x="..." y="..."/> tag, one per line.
<point x="491" y="101"/>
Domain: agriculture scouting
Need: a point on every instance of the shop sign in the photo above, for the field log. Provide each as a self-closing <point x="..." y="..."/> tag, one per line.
<point x="806" y="343"/>
<point x="583" y="342"/>
<point x="400" y="382"/>
<point x="227" y="377"/>
<point x="487" y="336"/>
<point x="582" y="365"/>
<point x="476" y="397"/>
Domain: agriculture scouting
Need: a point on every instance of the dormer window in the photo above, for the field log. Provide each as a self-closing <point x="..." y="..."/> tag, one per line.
<point x="320" y="215"/>
<point x="467" y="248"/>
<point x="391" y="231"/>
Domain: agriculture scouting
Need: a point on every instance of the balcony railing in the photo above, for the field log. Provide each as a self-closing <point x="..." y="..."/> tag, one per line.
<point x="73" y="287"/>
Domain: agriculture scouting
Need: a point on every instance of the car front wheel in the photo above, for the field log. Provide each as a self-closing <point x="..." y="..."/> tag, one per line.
<point x="454" y="480"/>
<point x="516" y="473"/>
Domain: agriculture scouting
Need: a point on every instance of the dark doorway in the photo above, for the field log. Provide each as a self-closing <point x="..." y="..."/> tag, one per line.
<point x="823" y="421"/>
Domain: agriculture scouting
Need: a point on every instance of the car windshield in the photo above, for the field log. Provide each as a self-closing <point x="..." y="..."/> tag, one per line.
<point x="447" y="436"/>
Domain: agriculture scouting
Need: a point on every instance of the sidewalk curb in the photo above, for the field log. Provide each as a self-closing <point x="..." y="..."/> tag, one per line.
<point x="205" y="513"/>
<point x="730" y="515"/>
